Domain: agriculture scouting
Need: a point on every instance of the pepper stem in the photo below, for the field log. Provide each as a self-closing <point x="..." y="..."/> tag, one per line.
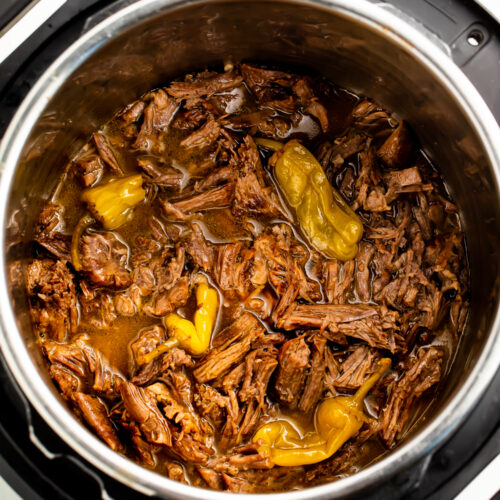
<point x="86" y="221"/>
<point x="384" y="365"/>
<point x="166" y="346"/>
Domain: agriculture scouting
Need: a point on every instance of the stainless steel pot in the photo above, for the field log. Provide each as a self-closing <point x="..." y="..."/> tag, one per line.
<point x="359" y="45"/>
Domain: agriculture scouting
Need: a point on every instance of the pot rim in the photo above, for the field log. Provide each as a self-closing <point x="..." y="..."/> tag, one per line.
<point x="15" y="351"/>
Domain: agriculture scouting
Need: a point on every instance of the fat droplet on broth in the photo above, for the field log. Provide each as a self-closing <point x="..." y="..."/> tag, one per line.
<point x="235" y="102"/>
<point x="186" y="175"/>
<point x="307" y="126"/>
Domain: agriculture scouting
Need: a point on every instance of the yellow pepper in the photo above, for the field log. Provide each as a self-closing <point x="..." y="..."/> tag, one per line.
<point x="194" y="338"/>
<point x="324" y="216"/>
<point x="112" y="203"/>
<point x="336" y="421"/>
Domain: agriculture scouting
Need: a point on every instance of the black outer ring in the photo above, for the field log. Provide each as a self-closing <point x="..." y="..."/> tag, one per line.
<point x="67" y="476"/>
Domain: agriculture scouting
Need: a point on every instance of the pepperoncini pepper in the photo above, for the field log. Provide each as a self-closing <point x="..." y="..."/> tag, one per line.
<point x="194" y="338"/>
<point x="324" y="216"/>
<point x="336" y="420"/>
<point x="112" y="203"/>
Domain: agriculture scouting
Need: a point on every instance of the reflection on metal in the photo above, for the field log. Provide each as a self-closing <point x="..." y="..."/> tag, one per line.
<point x="491" y="6"/>
<point x="25" y="24"/>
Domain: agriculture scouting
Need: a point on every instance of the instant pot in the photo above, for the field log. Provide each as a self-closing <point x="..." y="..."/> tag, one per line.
<point x="456" y="449"/>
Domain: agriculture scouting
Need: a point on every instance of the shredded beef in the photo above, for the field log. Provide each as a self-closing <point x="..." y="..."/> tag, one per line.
<point x="52" y="299"/>
<point x="217" y="197"/>
<point x="50" y="232"/>
<point x="142" y="407"/>
<point x="168" y="178"/>
<point x="251" y="196"/>
<point x="157" y="116"/>
<point x="96" y="415"/>
<point x="89" y="168"/>
<point x="293" y="362"/>
<point x="423" y="371"/>
<point x="314" y="382"/>
<point x="204" y="137"/>
<point x="204" y="86"/>
<point x="104" y="258"/>
<point x="395" y="150"/>
<point x="355" y="368"/>
<point x="229" y="347"/>
<point x="376" y="326"/>
<point x="106" y="153"/>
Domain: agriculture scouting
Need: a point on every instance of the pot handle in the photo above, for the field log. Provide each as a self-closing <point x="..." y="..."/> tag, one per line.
<point x="58" y="450"/>
<point x="459" y="33"/>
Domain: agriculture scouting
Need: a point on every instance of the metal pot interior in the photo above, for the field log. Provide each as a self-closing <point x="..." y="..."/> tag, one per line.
<point x="157" y="44"/>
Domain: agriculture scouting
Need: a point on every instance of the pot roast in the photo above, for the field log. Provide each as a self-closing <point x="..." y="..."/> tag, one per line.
<point x="112" y="284"/>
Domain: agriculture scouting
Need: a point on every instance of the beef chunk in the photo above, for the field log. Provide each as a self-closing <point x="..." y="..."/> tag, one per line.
<point x="142" y="407"/>
<point x="204" y="86"/>
<point x="132" y="113"/>
<point x="363" y="281"/>
<point x="104" y="258"/>
<point x="89" y="168"/>
<point x="85" y="365"/>
<point x="170" y="290"/>
<point x="174" y="395"/>
<point x="332" y="155"/>
<point x="199" y="249"/>
<point x="264" y="82"/>
<point x="106" y="153"/>
<point x="404" y="181"/>
<point x="49" y="232"/>
<point x="97" y="307"/>
<point x="211" y="477"/>
<point x="258" y="370"/>
<point x="313" y="388"/>
<point x="154" y="370"/>
<point x="285" y="259"/>
<point x="232" y="268"/>
<point x="251" y="196"/>
<point x="218" y="176"/>
<point x="52" y="297"/>
<point x="148" y="340"/>
<point x="95" y="414"/>
<point x="229" y="347"/>
<point x="204" y="137"/>
<point x="168" y="301"/>
<point x="366" y="184"/>
<point x="356" y="367"/>
<point x="302" y="89"/>
<point x="167" y="178"/>
<point x="157" y="117"/>
<point x="367" y="115"/>
<point x="293" y="363"/>
<point x="191" y="118"/>
<point x="395" y="150"/>
<point x="218" y="197"/>
<point x="376" y="326"/>
<point x="422" y="372"/>
<point x="212" y="405"/>
<point x="338" y="280"/>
